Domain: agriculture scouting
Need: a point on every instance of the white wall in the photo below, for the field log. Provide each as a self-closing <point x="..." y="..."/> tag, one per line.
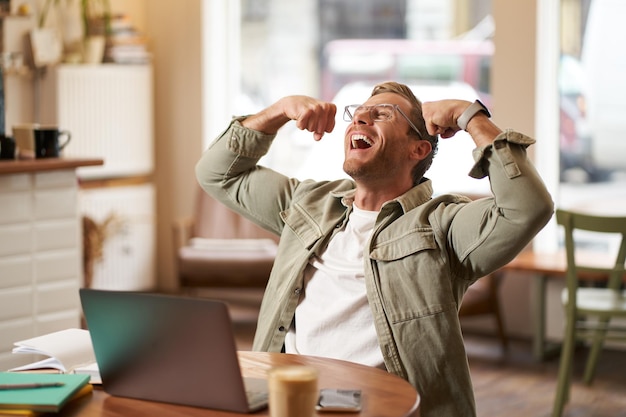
<point x="175" y="31"/>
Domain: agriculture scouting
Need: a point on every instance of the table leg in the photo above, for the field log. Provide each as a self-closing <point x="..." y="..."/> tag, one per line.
<point x="539" y="316"/>
<point x="542" y="350"/>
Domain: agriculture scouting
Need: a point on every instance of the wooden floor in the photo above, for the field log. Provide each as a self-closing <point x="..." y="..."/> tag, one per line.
<point x="515" y="385"/>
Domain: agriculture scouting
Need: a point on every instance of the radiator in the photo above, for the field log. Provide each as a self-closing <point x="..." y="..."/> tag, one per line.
<point x="108" y="109"/>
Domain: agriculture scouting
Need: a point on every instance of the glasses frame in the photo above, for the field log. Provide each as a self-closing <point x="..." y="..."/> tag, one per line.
<point x="348" y="116"/>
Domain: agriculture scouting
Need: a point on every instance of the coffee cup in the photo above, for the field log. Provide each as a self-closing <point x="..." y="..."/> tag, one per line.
<point x="48" y="142"/>
<point x="7" y="147"/>
<point x="25" y="141"/>
<point x="293" y="391"/>
<point x="39" y="141"/>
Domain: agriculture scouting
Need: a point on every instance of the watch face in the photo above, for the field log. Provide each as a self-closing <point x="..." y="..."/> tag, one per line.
<point x="485" y="109"/>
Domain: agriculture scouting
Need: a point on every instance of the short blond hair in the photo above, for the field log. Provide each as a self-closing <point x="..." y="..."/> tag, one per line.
<point x="418" y="120"/>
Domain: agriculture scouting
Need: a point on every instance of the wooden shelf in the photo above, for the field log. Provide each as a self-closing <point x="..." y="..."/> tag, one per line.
<point x="15" y="166"/>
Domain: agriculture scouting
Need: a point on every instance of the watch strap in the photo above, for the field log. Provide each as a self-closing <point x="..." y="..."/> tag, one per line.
<point x="470" y="112"/>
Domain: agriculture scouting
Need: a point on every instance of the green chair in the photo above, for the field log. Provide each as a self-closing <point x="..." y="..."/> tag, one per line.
<point x="589" y="310"/>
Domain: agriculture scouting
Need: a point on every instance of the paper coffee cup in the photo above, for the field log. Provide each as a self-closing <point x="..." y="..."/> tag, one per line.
<point x="293" y="391"/>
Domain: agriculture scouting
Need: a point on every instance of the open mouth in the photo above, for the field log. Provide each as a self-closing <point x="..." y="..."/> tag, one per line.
<point x="360" y="142"/>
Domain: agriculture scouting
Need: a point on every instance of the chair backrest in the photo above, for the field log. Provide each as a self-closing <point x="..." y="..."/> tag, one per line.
<point x="214" y="220"/>
<point x="576" y="266"/>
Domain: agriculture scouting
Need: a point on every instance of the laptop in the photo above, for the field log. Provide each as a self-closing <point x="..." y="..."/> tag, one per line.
<point x="169" y="348"/>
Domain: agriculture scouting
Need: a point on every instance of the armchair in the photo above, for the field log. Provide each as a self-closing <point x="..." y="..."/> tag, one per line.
<point x="221" y="251"/>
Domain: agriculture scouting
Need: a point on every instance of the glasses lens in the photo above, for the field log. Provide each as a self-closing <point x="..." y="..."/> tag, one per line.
<point x="378" y="112"/>
<point x="360" y="110"/>
<point x="381" y="112"/>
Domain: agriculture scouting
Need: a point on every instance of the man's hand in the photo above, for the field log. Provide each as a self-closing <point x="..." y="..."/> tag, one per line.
<point x="441" y="116"/>
<point x="309" y="114"/>
<point x="441" y="119"/>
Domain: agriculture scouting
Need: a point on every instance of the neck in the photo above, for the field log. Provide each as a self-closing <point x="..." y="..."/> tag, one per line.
<point x="372" y="198"/>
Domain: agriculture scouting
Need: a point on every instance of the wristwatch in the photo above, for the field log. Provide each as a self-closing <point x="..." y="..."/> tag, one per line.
<point x="470" y="112"/>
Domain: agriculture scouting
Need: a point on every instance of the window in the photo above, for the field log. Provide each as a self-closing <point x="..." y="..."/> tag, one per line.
<point x="592" y="109"/>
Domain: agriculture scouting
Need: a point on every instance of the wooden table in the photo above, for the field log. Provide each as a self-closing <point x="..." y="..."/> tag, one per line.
<point x="544" y="266"/>
<point x="384" y="394"/>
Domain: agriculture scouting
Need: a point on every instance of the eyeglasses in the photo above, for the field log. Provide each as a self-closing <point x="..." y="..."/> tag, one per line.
<point x="377" y="112"/>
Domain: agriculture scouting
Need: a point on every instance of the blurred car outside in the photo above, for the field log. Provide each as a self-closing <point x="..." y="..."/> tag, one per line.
<point x="576" y="159"/>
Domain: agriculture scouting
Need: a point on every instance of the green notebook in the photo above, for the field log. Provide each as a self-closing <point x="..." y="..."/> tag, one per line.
<point x="49" y="399"/>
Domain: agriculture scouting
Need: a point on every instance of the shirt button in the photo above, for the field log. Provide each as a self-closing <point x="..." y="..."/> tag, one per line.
<point x="298" y="291"/>
<point x="281" y="329"/>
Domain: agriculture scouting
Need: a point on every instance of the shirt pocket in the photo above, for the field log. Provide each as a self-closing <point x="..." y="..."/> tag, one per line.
<point x="404" y="244"/>
<point x="412" y="275"/>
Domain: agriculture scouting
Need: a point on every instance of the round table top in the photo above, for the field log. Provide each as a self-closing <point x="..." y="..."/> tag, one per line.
<point x="383" y="394"/>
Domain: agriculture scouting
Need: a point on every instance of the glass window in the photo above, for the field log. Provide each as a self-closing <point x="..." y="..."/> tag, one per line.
<point x="592" y="108"/>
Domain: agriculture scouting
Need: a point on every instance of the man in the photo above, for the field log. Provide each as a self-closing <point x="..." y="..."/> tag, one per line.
<point x="373" y="269"/>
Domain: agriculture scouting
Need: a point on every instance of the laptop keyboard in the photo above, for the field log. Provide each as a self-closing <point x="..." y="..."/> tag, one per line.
<point x="257" y="399"/>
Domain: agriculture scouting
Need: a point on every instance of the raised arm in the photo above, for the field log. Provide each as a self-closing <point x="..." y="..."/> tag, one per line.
<point x="489" y="232"/>
<point x="229" y="171"/>
<point x="309" y="114"/>
<point x="442" y="118"/>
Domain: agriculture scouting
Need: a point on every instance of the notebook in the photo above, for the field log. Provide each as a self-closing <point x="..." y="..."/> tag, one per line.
<point x="15" y="400"/>
<point x="170" y="349"/>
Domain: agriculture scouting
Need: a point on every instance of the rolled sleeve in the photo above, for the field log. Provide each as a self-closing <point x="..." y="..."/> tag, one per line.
<point x="500" y="147"/>
<point x="510" y="219"/>
<point x="247" y="142"/>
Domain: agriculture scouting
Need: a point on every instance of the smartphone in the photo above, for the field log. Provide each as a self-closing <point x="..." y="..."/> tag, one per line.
<point x="339" y="400"/>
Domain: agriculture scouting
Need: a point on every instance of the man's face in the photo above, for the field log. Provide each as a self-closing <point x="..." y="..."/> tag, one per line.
<point x="379" y="151"/>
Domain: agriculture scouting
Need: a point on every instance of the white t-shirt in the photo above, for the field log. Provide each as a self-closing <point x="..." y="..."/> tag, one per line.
<point x="333" y="318"/>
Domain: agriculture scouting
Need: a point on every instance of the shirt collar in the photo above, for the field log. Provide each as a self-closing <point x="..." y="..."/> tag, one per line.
<point x="416" y="196"/>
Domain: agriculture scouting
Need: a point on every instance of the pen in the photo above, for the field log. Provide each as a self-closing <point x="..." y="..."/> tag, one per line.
<point x="31" y="386"/>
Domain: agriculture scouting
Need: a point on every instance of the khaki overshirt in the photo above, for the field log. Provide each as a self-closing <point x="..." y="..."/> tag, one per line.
<point x="423" y="253"/>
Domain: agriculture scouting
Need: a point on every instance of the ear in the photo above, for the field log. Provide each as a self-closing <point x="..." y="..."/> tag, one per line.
<point x="420" y="149"/>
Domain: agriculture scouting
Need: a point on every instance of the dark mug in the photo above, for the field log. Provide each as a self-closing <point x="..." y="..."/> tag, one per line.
<point x="7" y="147"/>
<point x="48" y="141"/>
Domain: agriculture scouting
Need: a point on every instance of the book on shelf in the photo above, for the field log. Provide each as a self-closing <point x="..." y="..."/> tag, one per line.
<point x="16" y="399"/>
<point x="67" y="351"/>
<point x="127" y="54"/>
<point x="125" y="44"/>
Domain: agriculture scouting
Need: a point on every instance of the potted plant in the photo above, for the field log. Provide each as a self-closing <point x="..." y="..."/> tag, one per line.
<point x="96" y="16"/>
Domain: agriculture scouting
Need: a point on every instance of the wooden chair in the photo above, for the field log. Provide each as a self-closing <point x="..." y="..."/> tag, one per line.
<point x="589" y="310"/>
<point x="482" y="299"/>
